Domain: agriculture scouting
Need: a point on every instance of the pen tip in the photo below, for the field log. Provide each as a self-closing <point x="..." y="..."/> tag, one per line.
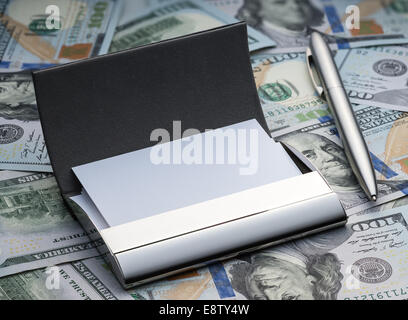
<point x="374" y="198"/>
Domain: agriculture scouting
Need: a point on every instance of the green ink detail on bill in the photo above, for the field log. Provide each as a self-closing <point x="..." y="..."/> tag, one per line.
<point x="400" y="6"/>
<point x="274" y="92"/>
<point x="32" y="203"/>
<point x="39" y="27"/>
<point x="148" y="34"/>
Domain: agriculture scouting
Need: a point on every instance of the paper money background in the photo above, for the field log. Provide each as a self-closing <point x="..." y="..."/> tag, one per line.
<point x="45" y="253"/>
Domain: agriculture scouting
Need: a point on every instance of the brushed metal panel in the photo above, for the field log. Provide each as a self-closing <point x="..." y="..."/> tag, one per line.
<point x="210" y="213"/>
<point x="228" y="239"/>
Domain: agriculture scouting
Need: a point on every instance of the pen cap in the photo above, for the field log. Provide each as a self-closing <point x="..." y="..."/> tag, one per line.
<point x="323" y="61"/>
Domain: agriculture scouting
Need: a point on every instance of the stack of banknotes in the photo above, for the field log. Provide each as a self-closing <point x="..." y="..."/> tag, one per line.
<point x="44" y="252"/>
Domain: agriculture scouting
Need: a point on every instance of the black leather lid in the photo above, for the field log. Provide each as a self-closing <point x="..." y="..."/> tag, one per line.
<point x="109" y="105"/>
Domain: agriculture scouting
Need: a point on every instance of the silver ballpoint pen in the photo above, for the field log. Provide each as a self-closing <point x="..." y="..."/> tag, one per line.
<point x="329" y="86"/>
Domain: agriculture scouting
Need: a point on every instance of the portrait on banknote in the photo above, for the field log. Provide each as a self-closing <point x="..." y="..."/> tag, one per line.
<point x="286" y="22"/>
<point x="327" y="156"/>
<point x="299" y="270"/>
<point x="332" y="163"/>
<point x="17" y="97"/>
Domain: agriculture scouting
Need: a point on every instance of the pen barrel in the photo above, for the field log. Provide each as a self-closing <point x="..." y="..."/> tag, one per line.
<point x="324" y="62"/>
<point x="354" y="145"/>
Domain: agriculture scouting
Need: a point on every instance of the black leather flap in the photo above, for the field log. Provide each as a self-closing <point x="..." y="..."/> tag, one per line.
<point x="109" y="105"/>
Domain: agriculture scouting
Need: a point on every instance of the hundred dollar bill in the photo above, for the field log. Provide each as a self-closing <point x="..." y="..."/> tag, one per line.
<point x="22" y="145"/>
<point x="173" y="19"/>
<point x="376" y="76"/>
<point x="88" y="279"/>
<point x="365" y="260"/>
<point x="91" y="279"/>
<point x="36" y="229"/>
<point x="385" y="133"/>
<point x="286" y="91"/>
<point x="289" y="23"/>
<point x="41" y="33"/>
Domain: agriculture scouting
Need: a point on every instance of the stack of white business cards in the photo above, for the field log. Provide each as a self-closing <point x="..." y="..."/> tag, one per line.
<point x="184" y="172"/>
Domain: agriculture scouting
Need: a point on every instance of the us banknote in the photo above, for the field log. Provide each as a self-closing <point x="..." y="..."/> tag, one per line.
<point x="88" y="279"/>
<point x="365" y="260"/>
<point x="289" y="23"/>
<point x="285" y="90"/>
<point x="173" y="19"/>
<point x="36" y="229"/>
<point x="22" y="145"/>
<point x="376" y="76"/>
<point x="41" y="33"/>
<point x="384" y="132"/>
<point x="92" y="279"/>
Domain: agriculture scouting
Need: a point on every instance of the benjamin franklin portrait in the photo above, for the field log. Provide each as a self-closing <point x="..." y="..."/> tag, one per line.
<point x="17" y="97"/>
<point x="330" y="159"/>
<point x="287" y="22"/>
<point x="298" y="270"/>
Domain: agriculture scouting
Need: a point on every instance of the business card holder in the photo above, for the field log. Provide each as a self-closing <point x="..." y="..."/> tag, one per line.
<point x="109" y="105"/>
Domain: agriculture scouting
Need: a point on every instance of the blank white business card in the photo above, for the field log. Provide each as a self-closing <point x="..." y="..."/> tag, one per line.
<point x="131" y="186"/>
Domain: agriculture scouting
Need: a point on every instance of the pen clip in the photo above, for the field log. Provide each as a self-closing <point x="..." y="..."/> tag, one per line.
<point x="313" y="74"/>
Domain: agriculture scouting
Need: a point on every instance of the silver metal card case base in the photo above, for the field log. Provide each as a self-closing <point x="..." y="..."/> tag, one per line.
<point x="175" y="241"/>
